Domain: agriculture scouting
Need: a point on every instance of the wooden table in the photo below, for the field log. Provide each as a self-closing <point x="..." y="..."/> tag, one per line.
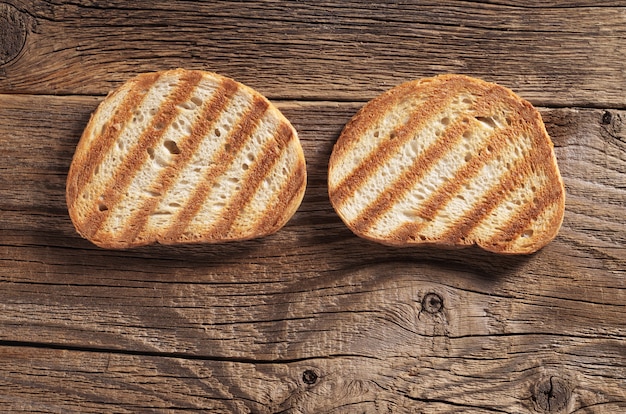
<point x="312" y="319"/>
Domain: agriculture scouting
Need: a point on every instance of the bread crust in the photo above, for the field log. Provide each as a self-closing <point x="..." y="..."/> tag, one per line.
<point x="452" y="161"/>
<point x="184" y="156"/>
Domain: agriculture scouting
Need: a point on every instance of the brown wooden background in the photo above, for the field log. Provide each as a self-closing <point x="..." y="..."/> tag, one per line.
<point x="312" y="319"/>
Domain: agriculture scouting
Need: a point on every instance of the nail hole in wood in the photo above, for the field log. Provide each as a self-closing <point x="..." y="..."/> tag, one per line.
<point x="309" y="377"/>
<point x="432" y="303"/>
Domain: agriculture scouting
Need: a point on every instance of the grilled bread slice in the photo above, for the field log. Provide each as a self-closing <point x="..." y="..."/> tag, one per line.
<point x="451" y="161"/>
<point x="184" y="156"/>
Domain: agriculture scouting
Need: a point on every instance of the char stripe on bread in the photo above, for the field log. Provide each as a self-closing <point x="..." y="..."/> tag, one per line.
<point x="454" y="129"/>
<point x="389" y="147"/>
<point x="281" y="199"/>
<point x="141" y="151"/>
<point x="110" y="134"/>
<point x="546" y="197"/>
<point x="388" y="198"/>
<point x="226" y="155"/>
<point x="471" y="219"/>
<point x="478" y="168"/>
<point x="187" y="147"/>
<point x="256" y="173"/>
<point x="184" y="156"/>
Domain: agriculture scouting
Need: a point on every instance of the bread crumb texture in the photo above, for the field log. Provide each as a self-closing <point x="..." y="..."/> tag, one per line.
<point x="450" y="160"/>
<point x="184" y="156"/>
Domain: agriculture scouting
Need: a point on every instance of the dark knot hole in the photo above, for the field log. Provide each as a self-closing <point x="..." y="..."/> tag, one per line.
<point x="432" y="303"/>
<point x="309" y="377"/>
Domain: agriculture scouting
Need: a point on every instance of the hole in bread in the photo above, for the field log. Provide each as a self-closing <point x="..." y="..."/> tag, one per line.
<point x="102" y="207"/>
<point x="527" y="233"/>
<point x="159" y="126"/>
<point x="467" y="100"/>
<point x="161" y="213"/>
<point x="392" y="135"/>
<point x="218" y="133"/>
<point x="171" y="147"/>
<point x="197" y="100"/>
<point x="468" y="157"/>
<point x="508" y="120"/>
<point x="245" y="166"/>
<point x="227" y="147"/>
<point x="376" y="134"/>
<point x="187" y="105"/>
<point x="152" y="193"/>
<point x="153" y="111"/>
<point x="460" y="197"/>
<point x="445" y="121"/>
<point x="487" y="121"/>
<point x="150" y="152"/>
<point x="467" y="135"/>
<point x="120" y="144"/>
<point x="250" y="157"/>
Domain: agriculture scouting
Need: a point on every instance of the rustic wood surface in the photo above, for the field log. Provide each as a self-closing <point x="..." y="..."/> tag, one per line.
<point x="312" y="319"/>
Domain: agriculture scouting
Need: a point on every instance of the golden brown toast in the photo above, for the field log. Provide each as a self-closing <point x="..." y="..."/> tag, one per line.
<point x="451" y="161"/>
<point x="184" y="156"/>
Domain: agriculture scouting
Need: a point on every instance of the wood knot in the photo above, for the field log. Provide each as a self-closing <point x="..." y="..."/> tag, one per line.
<point x="606" y="118"/>
<point x="551" y="395"/>
<point x="309" y="377"/>
<point x="432" y="303"/>
<point x="14" y="30"/>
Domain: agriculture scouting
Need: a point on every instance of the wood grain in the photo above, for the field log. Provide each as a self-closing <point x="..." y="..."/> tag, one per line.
<point x="554" y="56"/>
<point x="312" y="319"/>
<point x="235" y="326"/>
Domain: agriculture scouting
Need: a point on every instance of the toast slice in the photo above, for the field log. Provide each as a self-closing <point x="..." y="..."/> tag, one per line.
<point x="184" y="156"/>
<point x="452" y="161"/>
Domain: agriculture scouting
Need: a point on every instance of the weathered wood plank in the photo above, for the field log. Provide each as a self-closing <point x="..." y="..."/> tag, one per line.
<point x="503" y="377"/>
<point x="270" y="299"/>
<point x="552" y="55"/>
<point x="311" y="319"/>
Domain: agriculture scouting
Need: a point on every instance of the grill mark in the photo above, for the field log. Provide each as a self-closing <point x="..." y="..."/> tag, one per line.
<point x="492" y="199"/>
<point x="388" y="148"/>
<point x="465" y="174"/>
<point x="113" y="129"/>
<point x="406" y="232"/>
<point x="546" y="197"/>
<point x="278" y="205"/>
<point x="235" y="141"/>
<point x="138" y="154"/>
<point x="365" y="117"/>
<point x="521" y="168"/>
<point x="260" y="169"/>
<point x="403" y="184"/>
<point x="168" y="176"/>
